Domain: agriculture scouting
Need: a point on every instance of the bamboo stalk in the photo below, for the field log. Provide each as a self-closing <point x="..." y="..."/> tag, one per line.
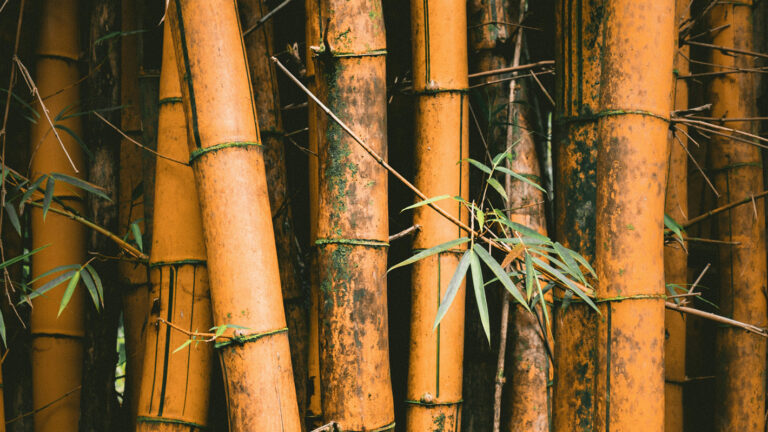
<point x="352" y="229"/>
<point x="259" y="48"/>
<point x="131" y="208"/>
<point x="226" y="156"/>
<point x="434" y="391"/>
<point x="676" y="258"/>
<point x="57" y="356"/>
<point x="635" y="76"/>
<point x="175" y="385"/>
<point x="575" y="326"/>
<point x="740" y="358"/>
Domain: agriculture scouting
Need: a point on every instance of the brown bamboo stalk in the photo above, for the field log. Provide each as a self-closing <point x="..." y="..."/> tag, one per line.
<point x="575" y="156"/>
<point x="676" y="256"/>
<point x="131" y="208"/>
<point x="352" y="229"/>
<point x="227" y="159"/>
<point x="175" y="384"/>
<point x="737" y="173"/>
<point x="259" y="48"/>
<point x="434" y="392"/>
<point x="57" y="355"/>
<point x="635" y="94"/>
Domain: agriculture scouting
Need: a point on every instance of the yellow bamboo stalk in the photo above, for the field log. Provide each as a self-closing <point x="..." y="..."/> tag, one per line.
<point x="352" y="231"/>
<point x="176" y="383"/>
<point x="635" y="102"/>
<point x="675" y="256"/>
<point x="440" y="83"/>
<point x="226" y="156"/>
<point x="57" y="341"/>
<point x="133" y="275"/>
<point x="737" y="173"/>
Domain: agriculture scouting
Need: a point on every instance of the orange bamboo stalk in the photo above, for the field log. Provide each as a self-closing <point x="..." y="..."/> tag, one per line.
<point x="635" y="101"/>
<point x="440" y="83"/>
<point x="737" y="173"/>
<point x="175" y="385"/>
<point x="259" y="46"/>
<point x="226" y="156"/>
<point x="134" y="275"/>
<point x="57" y="342"/>
<point x="314" y="415"/>
<point x="575" y="326"/>
<point x="675" y="256"/>
<point x="352" y="231"/>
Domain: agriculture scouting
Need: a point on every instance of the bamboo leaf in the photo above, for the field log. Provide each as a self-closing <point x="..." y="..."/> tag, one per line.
<point x="91" y="287"/>
<point x="425" y="202"/>
<point x="479" y="165"/>
<point x="501" y="274"/>
<point x="568" y="260"/>
<point x="524" y="230"/>
<point x="136" y="231"/>
<point x="530" y="275"/>
<point x="2" y="328"/>
<point x="21" y="257"/>
<point x="30" y="190"/>
<point x="673" y="226"/>
<point x="58" y="269"/>
<point x="577" y="256"/>
<point x="10" y="211"/>
<point x="182" y="346"/>
<point x="68" y="292"/>
<point x="97" y="280"/>
<point x="497" y="186"/>
<point x="53" y="283"/>
<point x="82" y="184"/>
<point x="521" y="177"/>
<point x="567" y="282"/>
<point x="453" y="287"/>
<point x="429" y="252"/>
<point x="479" y="288"/>
<point x="49" y="186"/>
<point x="513" y="255"/>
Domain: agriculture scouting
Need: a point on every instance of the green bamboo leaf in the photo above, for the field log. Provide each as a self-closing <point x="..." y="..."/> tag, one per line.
<point x="568" y="260"/>
<point x="498" y="158"/>
<point x="58" y="269"/>
<point x="479" y="165"/>
<point x="136" y="231"/>
<point x="49" y="186"/>
<point x="673" y="226"/>
<point x="10" y="211"/>
<point x="530" y="275"/>
<point x="541" y="296"/>
<point x="96" y="280"/>
<point x="30" y="190"/>
<point x="426" y="202"/>
<point x="77" y="139"/>
<point x="453" y="287"/>
<point x="81" y="184"/>
<point x="2" y="329"/>
<point x="524" y="230"/>
<point x="567" y="282"/>
<point x="53" y="283"/>
<point x="521" y="177"/>
<point x="90" y="285"/>
<point x="21" y="257"/>
<point x="501" y="274"/>
<point x="577" y="256"/>
<point x="429" y="252"/>
<point x="497" y="186"/>
<point x="68" y="292"/>
<point x="479" y="287"/>
<point x="182" y="346"/>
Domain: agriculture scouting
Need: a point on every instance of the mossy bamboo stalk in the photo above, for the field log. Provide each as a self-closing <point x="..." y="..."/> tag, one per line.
<point x="434" y="393"/>
<point x="57" y="356"/>
<point x="259" y="48"/>
<point x="314" y="415"/>
<point x="352" y="231"/>
<point x="635" y="102"/>
<point x="176" y="384"/>
<point x="675" y="256"/>
<point x="578" y="46"/>
<point x="226" y="156"/>
<point x="737" y="173"/>
<point x="134" y="275"/>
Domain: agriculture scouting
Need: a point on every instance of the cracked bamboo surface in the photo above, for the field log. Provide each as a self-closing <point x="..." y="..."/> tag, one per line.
<point x="57" y="356"/>
<point x="227" y="159"/>
<point x="635" y="101"/>
<point x="131" y="209"/>
<point x="579" y="43"/>
<point x="434" y="392"/>
<point x="737" y="173"/>
<point x="175" y="384"/>
<point x="352" y="231"/>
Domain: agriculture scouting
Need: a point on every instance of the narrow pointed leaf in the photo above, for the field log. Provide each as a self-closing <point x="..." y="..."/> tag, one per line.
<point x="567" y="282"/>
<point x="521" y="177"/>
<point x="13" y="217"/>
<point x="429" y="252"/>
<point x="49" y="187"/>
<point x="453" y="287"/>
<point x="426" y="202"/>
<point x="136" y="232"/>
<point x="182" y="346"/>
<point x="97" y="281"/>
<point x="501" y="274"/>
<point x="82" y="184"/>
<point x="90" y="285"/>
<point x="499" y="188"/>
<point x="68" y="292"/>
<point x="479" y="165"/>
<point x="30" y="190"/>
<point x="530" y="275"/>
<point x="479" y="288"/>
<point x="22" y="257"/>
<point x="568" y="260"/>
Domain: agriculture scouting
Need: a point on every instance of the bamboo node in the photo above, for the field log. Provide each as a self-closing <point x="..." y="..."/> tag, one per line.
<point x="352" y="242"/>
<point x="434" y="404"/>
<point x="388" y="427"/>
<point x="169" y="100"/>
<point x="194" y="155"/>
<point x="243" y="339"/>
<point x="609" y="113"/>
<point x="165" y="420"/>
<point x="193" y="262"/>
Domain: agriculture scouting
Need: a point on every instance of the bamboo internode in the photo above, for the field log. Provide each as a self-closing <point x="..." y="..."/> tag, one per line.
<point x="352" y="229"/>
<point x="737" y="173"/>
<point x="635" y="95"/>
<point x="226" y="155"/>
<point x="175" y="384"/>
<point x="57" y="355"/>
<point x="440" y="82"/>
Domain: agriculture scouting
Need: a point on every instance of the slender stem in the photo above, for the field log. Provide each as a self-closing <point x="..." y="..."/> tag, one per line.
<point x="723" y="208"/>
<point x="726" y="49"/>
<point x="513" y="68"/>
<point x="500" y="379"/>
<point x="404" y="232"/>
<point x="718" y="318"/>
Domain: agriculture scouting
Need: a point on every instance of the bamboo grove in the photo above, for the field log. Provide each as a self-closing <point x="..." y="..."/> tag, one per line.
<point x="369" y="215"/>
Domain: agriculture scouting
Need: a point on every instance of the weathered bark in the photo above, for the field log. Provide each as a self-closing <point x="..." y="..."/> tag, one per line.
<point x="259" y="47"/>
<point x="352" y="232"/>
<point x="740" y="371"/>
<point x="175" y="387"/>
<point x="226" y="155"/>
<point x="57" y="347"/>
<point x="134" y="283"/>
<point x="635" y="102"/>
<point x="675" y="256"/>
<point x="577" y="64"/>
<point x="441" y="147"/>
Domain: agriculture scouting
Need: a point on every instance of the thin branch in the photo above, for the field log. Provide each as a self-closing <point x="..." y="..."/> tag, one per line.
<point x="35" y="411"/>
<point x="405" y="232"/>
<point x="543" y="89"/>
<point x="500" y="71"/>
<point x="140" y="145"/>
<point x="693" y="159"/>
<point x="704" y="240"/>
<point x="723" y="208"/>
<point x="266" y="17"/>
<point x="330" y="427"/>
<point x="696" y="282"/>
<point x="728" y="119"/>
<point x="718" y="318"/>
<point x="725" y="49"/>
<point x="513" y="77"/>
